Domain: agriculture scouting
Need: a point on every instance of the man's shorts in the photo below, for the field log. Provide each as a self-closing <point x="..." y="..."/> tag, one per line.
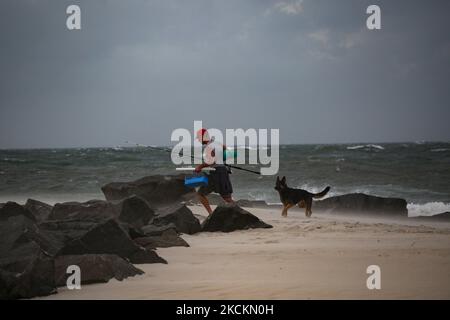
<point x="218" y="182"/>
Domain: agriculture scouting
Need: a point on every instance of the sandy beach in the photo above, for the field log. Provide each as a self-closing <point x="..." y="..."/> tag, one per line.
<point x="323" y="257"/>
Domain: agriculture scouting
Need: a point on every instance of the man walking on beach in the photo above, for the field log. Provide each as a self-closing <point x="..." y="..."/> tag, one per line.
<point x="218" y="179"/>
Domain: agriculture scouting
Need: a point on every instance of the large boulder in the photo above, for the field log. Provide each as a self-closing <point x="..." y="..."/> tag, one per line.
<point x="231" y="217"/>
<point x="178" y="215"/>
<point x="65" y="231"/>
<point x="146" y="255"/>
<point x="152" y="230"/>
<point x="362" y="203"/>
<point x="19" y="230"/>
<point x="94" y="268"/>
<point x="106" y="237"/>
<point x="132" y="212"/>
<point x="28" y="248"/>
<point x="95" y="210"/>
<point x="103" y="237"/>
<point x="168" y="238"/>
<point x="11" y="208"/>
<point x="26" y="263"/>
<point x="157" y="190"/>
<point x="11" y="230"/>
<point x="25" y="272"/>
<point x="7" y="282"/>
<point x="77" y="237"/>
<point x="40" y="210"/>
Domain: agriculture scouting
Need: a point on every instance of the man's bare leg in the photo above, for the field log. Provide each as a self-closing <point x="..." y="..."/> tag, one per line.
<point x="228" y="199"/>
<point x="204" y="201"/>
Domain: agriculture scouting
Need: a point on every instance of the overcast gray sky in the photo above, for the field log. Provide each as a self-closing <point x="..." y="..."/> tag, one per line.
<point x="139" y="69"/>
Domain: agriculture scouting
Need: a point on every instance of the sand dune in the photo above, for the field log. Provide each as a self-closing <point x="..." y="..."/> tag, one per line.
<point x="323" y="257"/>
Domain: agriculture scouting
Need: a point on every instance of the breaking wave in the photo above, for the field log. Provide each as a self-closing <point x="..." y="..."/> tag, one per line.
<point x="366" y="146"/>
<point x="427" y="209"/>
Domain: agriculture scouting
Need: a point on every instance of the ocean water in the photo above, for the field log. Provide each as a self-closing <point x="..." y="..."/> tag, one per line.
<point x="417" y="172"/>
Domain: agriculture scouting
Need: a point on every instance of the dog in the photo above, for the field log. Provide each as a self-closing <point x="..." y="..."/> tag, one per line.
<point x="291" y="197"/>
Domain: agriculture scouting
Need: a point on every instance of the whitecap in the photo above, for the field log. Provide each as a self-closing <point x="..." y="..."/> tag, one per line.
<point x="439" y="150"/>
<point x="13" y="160"/>
<point x="376" y="146"/>
<point x="355" y="147"/>
<point x="367" y="146"/>
<point x="427" y="209"/>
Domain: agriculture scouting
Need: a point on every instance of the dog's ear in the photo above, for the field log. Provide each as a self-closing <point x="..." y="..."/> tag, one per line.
<point x="283" y="181"/>
<point x="278" y="179"/>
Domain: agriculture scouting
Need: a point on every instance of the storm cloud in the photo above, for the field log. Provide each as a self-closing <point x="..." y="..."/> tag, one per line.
<point x="139" y="69"/>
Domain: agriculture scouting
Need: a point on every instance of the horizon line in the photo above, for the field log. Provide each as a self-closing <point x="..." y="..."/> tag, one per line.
<point x="281" y="144"/>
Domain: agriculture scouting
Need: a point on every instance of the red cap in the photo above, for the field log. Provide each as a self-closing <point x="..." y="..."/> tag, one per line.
<point x="202" y="135"/>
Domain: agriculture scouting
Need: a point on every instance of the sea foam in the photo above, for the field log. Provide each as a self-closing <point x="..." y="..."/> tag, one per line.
<point x="427" y="209"/>
<point x="366" y="146"/>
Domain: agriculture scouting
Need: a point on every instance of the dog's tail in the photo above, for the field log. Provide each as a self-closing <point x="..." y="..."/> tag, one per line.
<point x="321" y="194"/>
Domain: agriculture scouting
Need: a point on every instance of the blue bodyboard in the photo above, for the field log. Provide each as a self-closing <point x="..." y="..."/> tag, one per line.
<point x="196" y="181"/>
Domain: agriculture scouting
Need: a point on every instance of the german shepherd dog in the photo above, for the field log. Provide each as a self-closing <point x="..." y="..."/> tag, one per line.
<point x="291" y="197"/>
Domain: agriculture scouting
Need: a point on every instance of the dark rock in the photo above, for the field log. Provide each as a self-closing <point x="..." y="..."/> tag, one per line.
<point x="362" y="203"/>
<point x="133" y="232"/>
<point x="25" y="259"/>
<point x="95" y="210"/>
<point x="146" y="256"/>
<point x="167" y="239"/>
<point x="135" y="211"/>
<point x="40" y="210"/>
<point x="28" y="249"/>
<point x="445" y="216"/>
<point x="179" y="215"/>
<point x="104" y="237"/>
<point x="156" y="190"/>
<point x="152" y="230"/>
<point x="94" y="268"/>
<point x="65" y="231"/>
<point x="11" y="230"/>
<point x="26" y="272"/>
<point x="231" y="217"/>
<point x="10" y="209"/>
<point x="200" y="217"/>
<point x="18" y="230"/>
<point x="7" y="283"/>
